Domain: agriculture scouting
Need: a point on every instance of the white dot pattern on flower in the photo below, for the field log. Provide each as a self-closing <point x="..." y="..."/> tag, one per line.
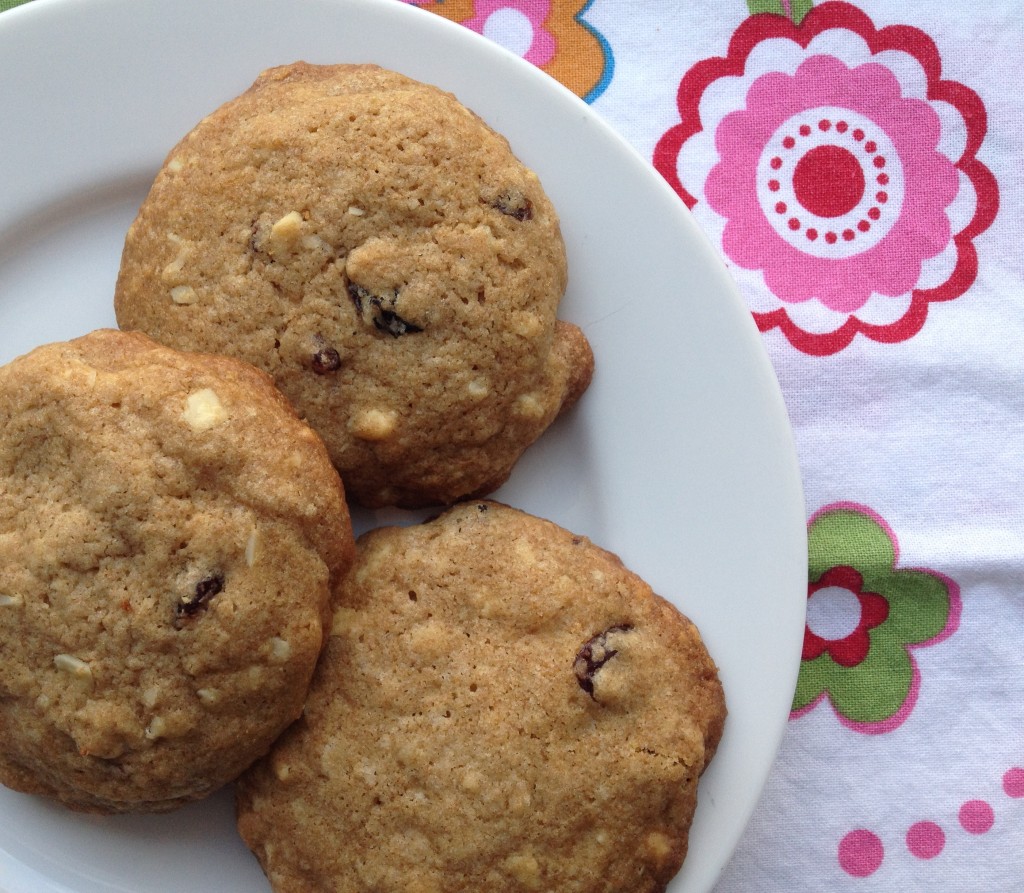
<point x="830" y="182"/>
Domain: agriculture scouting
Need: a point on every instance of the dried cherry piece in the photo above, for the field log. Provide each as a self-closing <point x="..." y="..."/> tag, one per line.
<point x="325" y="360"/>
<point x="594" y="654"/>
<point x="513" y="203"/>
<point x="198" y="599"/>
<point x="379" y="310"/>
<point x="259" y="230"/>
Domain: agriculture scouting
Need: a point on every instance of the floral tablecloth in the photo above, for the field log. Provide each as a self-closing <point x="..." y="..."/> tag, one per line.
<point x="860" y="167"/>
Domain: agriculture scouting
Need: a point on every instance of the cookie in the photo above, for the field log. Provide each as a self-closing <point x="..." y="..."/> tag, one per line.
<point x="379" y="251"/>
<point x="501" y="705"/>
<point x="169" y="533"/>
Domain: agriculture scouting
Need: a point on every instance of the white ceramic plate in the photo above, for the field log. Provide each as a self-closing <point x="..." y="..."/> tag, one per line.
<point x="679" y="457"/>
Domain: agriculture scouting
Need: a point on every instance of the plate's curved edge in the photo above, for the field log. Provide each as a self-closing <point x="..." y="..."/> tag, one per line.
<point x="793" y="565"/>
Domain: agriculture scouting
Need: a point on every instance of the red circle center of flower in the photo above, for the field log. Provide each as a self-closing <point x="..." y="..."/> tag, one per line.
<point x="828" y="181"/>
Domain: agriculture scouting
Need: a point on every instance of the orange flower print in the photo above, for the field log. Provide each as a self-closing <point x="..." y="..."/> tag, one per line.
<point x="552" y="34"/>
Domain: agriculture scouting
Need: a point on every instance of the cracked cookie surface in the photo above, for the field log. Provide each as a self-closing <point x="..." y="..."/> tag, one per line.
<point x="378" y="250"/>
<point x="169" y="531"/>
<point x="501" y="705"/>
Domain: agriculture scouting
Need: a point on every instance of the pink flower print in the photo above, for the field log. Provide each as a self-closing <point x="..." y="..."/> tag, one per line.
<point x="518" y="25"/>
<point x="831" y="185"/>
<point x="838" y="172"/>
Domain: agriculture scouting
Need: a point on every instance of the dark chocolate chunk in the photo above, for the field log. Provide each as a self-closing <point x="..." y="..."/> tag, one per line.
<point x="594" y="654"/>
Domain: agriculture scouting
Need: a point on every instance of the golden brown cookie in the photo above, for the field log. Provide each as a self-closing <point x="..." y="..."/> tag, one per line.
<point x="377" y="249"/>
<point x="169" y="531"/>
<point x="501" y="705"/>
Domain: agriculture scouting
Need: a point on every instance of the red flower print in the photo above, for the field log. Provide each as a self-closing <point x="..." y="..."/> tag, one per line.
<point x="837" y="170"/>
<point x="871" y="610"/>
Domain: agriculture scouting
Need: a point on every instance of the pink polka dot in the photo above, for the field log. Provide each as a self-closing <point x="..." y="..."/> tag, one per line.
<point x="1013" y="782"/>
<point x="976" y="816"/>
<point x="860" y="853"/>
<point x="925" y="840"/>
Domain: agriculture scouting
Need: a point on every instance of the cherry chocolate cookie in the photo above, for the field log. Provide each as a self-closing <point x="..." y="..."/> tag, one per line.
<point x="501" y="705"/>
<point x="169" y="535"/>
<point x="379" y="251"/>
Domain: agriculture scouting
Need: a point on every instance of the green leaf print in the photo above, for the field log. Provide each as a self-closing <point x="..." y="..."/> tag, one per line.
<point x="794" y="10"/>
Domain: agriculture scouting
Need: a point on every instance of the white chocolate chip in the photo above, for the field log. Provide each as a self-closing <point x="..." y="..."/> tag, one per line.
<point x="525" y="869"/>
<point x="525" y="554"/>
<point x="315" y="243"/>
<point x="208" y="696"/>
<point x="526" y="324"/>
<point x="472" y="781"/>
<point x="184" y="294"/>
<point x="528" y="406"/>
<point x="355" y="212"/>
<point x="151" y="695"/>
<point x="658" y="846"/>
<point x="250" y="548"/>
<point x="478" y="389"/>
<point x="9" y="601"/>
<point x="373" y="424"/>
<point x="203" y="410"/>
<point x="175" y="165"/>
<point x="280" y="650"/>
<point x="157" y="728"/>
<point x="287" y="230"/>
<point x="343" y="621"/>
<point x="75" y="667"/>
<point x="282" y="771"/>
<point x="171" y="273"/>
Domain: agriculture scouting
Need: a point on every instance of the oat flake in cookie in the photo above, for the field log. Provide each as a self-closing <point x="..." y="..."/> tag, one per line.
<point x="378" y="249"/>
<point x="169" y="531"/>
<point x="501" y="705"/>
